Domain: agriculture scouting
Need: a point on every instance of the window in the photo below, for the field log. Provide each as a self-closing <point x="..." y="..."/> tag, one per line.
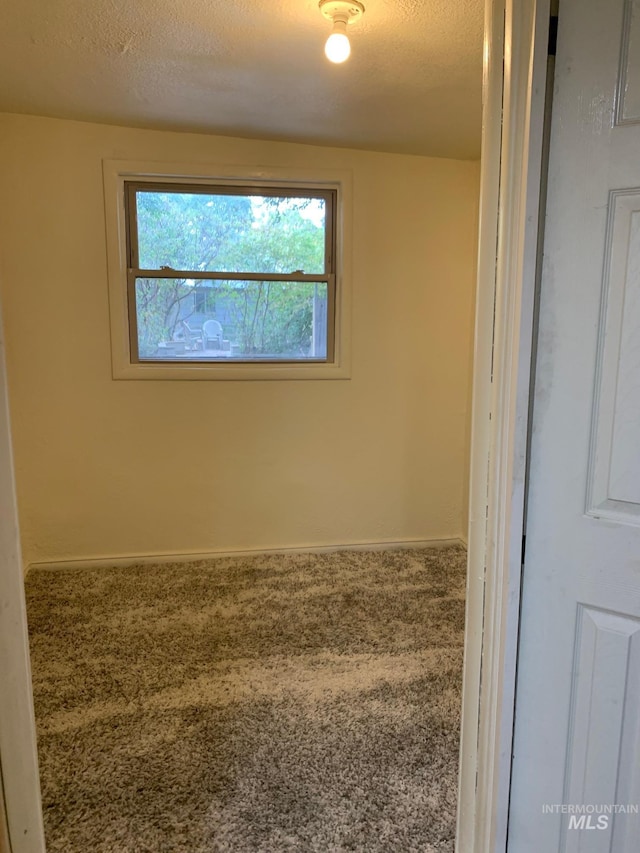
<point x="227" y="278"/>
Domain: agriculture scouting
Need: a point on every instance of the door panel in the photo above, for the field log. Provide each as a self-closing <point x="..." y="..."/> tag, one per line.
<point x="577" y="718"/>
<point x="614" y="460"/>
<point x="605" y="718"/>
<point x="628" y="94"/>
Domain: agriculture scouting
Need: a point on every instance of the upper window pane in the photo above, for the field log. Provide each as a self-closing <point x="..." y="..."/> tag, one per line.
<point x="227" y="232"/>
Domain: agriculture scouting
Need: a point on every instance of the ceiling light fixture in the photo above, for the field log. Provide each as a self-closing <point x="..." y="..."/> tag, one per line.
<point x="341" y="13"/>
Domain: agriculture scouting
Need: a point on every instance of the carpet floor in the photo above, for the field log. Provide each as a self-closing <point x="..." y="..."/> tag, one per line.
<point x="280" y="703"/>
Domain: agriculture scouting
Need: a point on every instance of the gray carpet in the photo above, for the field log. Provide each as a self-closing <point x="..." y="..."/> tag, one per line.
<point x="280" y="703"/>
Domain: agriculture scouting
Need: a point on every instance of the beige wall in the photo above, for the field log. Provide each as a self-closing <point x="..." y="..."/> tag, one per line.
<point x="109" y="468"/>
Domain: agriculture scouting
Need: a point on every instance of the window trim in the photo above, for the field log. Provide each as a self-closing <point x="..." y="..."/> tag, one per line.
<point x="265" y="180"/>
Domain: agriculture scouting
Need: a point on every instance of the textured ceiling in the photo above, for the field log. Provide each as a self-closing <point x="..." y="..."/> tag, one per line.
<point x="252" y="68"/>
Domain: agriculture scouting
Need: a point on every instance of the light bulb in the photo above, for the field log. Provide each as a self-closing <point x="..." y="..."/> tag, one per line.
<point x="337" y="48"/>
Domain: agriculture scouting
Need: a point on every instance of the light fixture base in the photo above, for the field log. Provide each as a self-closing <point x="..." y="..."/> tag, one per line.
<point x="346" y="10"/>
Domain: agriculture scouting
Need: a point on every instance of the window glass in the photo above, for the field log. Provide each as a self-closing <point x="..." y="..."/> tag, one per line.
<point x="225" y="232"/>
<point x="222" y="320"/>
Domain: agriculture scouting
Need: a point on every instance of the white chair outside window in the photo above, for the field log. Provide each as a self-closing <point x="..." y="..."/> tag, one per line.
<point x="212" y="335"/>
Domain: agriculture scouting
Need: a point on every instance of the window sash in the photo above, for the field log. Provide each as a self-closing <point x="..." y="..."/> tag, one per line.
<point x="329" y="280"/>
<point x="168" y="272"/>
<point x="131" y="216"/>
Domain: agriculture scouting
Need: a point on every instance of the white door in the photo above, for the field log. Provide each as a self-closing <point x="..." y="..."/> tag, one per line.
<point x="576" y="754"/>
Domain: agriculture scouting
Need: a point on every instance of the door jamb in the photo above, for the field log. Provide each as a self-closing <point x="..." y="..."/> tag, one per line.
<point x="514" y="88"/>
<point x="22" y="810"/>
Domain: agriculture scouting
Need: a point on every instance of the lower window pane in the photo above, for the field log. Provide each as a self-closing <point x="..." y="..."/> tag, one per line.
<point x="201" y="320"/>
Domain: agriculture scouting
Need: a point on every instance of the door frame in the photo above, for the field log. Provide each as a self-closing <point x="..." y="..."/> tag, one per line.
<point x="516" y="48"/>
<point x="21" y="829"/>
<point x="515" y="62"/>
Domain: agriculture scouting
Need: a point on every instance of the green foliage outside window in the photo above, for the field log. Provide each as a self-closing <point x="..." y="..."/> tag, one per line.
<point x="230" y="233"/>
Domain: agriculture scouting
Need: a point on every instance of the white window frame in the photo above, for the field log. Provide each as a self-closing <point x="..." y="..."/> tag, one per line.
<point x="117" y="173"/>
